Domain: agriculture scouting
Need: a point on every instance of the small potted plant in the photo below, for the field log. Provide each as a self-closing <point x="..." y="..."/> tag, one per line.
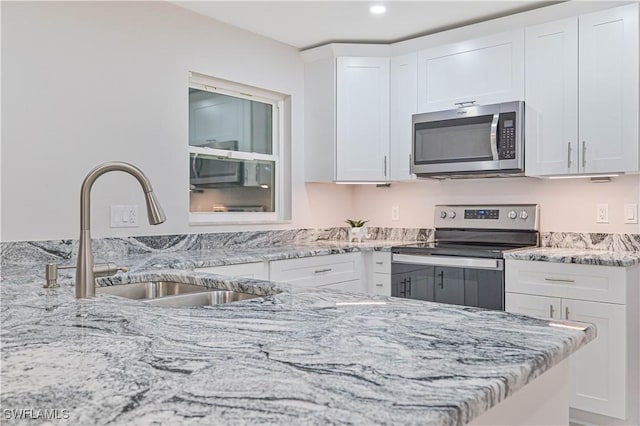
<point x="358" y="231"/>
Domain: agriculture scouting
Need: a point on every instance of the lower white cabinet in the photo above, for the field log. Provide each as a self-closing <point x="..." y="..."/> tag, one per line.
<point x="604" y="374"/>
<point x="381" y="273"/>
<point x="317" y="271"/>
<point x="256" y="270"/>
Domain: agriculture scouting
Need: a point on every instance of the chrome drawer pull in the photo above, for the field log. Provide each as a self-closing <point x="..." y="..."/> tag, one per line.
<point x="319" y="271"/>
<point x="566" y="313"/>
<point x="551" y="311"/>
<point x="560" y="280"/>
<point x="378" y="285"/>
<point x="379" y="262"/>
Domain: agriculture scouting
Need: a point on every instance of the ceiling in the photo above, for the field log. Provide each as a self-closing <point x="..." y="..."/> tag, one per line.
<point x="305" y="24"/>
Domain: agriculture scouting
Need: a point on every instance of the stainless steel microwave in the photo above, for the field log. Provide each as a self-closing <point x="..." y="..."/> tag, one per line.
<point x="472" y="141"/>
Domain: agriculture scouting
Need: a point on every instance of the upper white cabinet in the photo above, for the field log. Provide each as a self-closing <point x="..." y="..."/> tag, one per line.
<point x="362" y="119"/>
<point x="485" y="71"/>
<point x="404" y="103"/>
<point x="347" y="119"/>
<point x="551" y="98"/>
<point x="582" y="94"/>
<point x="608" y="90"/>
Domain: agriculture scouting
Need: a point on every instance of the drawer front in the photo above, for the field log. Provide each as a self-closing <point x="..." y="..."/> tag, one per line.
<point x="382" y="262"/>
<point x="353" y="286"/>
<point x="381" y="284"/>
<point x="257" y="270"/>
<point x="582" y="282"/>
<point x="318" y="270"/>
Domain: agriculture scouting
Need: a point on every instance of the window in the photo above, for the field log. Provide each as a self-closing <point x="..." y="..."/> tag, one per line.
<point x="235" y="146"/>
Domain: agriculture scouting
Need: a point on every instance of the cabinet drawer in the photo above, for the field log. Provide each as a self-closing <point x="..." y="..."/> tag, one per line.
<point x="381" y="284"/>
<point x="257" y="270"/>
<point x="316" y="271"/>
<point x="382" y="262"/>
<point x="584" y="282"/>
<point x="353" y="286"/>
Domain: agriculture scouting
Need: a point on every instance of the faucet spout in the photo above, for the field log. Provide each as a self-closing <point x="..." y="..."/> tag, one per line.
<point x="85" y="278"/>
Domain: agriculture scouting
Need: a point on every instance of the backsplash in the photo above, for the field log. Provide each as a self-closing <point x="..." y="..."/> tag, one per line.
<point x="107" y="249"/>
<point x="591" y="241"/>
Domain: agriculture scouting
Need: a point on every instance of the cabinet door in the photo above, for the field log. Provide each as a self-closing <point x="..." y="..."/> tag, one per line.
<point x="449" y="285"/>
<point x="362" y="119"/>
<point x="404" y="103"/>
<point x="551" y="98"/>
<point x="486" y="70"/>
<point x="535" y="306"/>
<point x="608" y="90"/>
<point x="598" y="379"/>
<point x="257" y="270"/>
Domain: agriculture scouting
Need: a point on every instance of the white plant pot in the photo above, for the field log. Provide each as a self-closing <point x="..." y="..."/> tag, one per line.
<point x="358" y="234"/>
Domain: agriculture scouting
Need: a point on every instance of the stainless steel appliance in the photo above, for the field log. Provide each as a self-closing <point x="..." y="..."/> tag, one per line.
<point x="469" y="141"/>
<point x="464" y="265"/>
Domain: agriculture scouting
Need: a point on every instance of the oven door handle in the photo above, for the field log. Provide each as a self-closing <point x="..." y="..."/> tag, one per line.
<point x="493" y="137"/>
<point x="453" y="261"/>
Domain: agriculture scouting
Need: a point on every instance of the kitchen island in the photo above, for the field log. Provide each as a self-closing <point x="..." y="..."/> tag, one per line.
<point x="292" y="356"/>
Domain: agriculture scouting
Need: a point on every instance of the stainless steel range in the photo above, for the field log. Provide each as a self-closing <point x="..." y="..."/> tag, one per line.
<point x="464" y="265"/>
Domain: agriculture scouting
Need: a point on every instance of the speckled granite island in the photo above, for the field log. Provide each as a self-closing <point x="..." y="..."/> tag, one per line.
<point x="292" y="356"/>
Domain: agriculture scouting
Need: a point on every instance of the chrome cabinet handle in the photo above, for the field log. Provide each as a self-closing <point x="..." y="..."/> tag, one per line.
<point x="385" y="166"/>
<point x="379" y="262"/>
<point x="568" y="155"/>
<point x="441" y="275"/>
<point x="319" y="271"/>
<point x="464" y="103"/>
<point x="494" y="137"/>
<point x="551" y="311"/>
<point x="584" y="154"/>
<point x="560" y="280"/>
<point x="566" y="313"/>
<point x="378" y="285"/>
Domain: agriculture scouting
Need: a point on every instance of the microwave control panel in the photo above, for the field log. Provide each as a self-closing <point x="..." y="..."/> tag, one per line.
<point x="507" y="136"/>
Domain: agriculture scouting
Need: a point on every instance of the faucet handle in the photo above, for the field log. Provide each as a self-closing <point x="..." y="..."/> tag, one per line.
<point x="107" y="269"/>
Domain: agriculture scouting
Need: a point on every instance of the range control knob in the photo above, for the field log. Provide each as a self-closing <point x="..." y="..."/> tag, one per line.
<point x="452" y="214"/>
<point x="512" y="214"/>
<point x="443" y="214"/>
<point x="524" y="215"/>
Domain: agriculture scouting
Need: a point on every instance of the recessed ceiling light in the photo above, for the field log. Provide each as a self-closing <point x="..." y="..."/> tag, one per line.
<point x="377" y="9"/>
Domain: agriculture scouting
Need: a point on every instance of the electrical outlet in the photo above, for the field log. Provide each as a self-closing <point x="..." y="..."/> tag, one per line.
<point x="602" y="213"/>
<point x="630" y="213"/>
<point x="124" y="216"/>
<point x="395" y="213"/>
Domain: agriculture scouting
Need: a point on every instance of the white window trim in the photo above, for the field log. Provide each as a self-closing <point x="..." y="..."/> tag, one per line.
<point x="210" y="84"/>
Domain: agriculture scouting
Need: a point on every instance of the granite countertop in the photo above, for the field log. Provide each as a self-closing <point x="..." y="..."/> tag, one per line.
<point x="298" y="356"/>
<point x="576" y="255"/>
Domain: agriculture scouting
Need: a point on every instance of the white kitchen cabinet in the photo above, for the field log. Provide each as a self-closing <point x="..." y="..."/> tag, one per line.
<point x="381" y="273"/>
<point x="601" y="379"/>
<point x="353" y="286"/>
<point x="404" y="103"/>
<point x="581" y="94"/>
<point x="257" y="270"/>
<point x="484" y="71"/>
<point x="347" y="118"/>
<point x="317" y="271"/>
<point x="362" y="119"/>
<point x="608" y="90"/>
<point x="551" y="98"/>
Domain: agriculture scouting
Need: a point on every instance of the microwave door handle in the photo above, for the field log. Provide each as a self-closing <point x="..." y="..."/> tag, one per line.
<point x="493" y="137"/>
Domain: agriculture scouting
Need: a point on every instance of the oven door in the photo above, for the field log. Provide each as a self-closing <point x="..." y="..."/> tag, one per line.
<point x="449" y="279"/>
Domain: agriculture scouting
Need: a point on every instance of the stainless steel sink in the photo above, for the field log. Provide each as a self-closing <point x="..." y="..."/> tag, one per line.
<point x="174" y="294"/>
<point x="150" y="290"/>
<point x="206" y="298"/>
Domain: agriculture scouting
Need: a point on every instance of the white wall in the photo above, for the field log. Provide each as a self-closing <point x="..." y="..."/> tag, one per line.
<point x="565" y="205"/>
<point x="88" y="82"/>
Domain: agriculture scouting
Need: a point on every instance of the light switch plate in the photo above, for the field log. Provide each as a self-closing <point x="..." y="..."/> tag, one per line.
<point x="124" y="216"/>
<point x="630" y="213"/>
<point x="602" y="213"/>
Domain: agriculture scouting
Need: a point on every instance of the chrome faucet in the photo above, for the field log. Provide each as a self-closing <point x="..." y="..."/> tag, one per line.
<point x="85" y="278"/>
